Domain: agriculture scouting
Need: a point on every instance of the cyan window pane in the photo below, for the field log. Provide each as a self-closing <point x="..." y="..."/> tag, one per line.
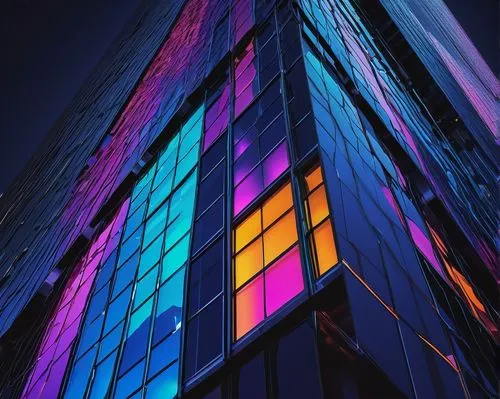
<point x="175" y="258"/>
<point x="160" y="194"/>
<point x="146" y="286"/>
<point x="164" y="386"/>
<point x="140" y="317"/>
<point x="102" y="378"/>
<point x="150" y="256"/>
<point x="190" y="138"/>
<point x="80" y="375"/>
<point x="186" y="164"/>
<point x="155" y="225"/>
<point x="165" y="353"/>
<point x="169" y="310"/>
<point x="130" y="381"/>
<point x="170" y="152"/>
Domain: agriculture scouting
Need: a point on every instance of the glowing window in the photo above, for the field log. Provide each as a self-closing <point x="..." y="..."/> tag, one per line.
<point x="266" y="262"/>
<point x="320" y="231"/>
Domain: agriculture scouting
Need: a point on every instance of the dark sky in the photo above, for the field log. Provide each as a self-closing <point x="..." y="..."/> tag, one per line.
<point x="49" y="47"/>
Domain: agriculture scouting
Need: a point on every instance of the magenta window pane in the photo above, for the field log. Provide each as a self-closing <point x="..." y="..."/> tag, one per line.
<point x="275" y="164"/>
<point x="248" y="190"/>
<point x="283" y="281"/>
<point x="245" y="79"/>
<point x="424" y="245"/>
<point x="63" y="325"/>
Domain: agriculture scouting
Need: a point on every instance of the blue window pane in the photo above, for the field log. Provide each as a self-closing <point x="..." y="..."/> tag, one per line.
<point x="117" y="310"/>
<point x="130" y="381"/>
<point x="90" y="335"/>
<point x="111" y="341"/>
<point x="134" y="220"/>
<point x="102" y="378"/>
<point x="168" y="313"/>
<point x="125" y="275"/>
<point x="98" y="303"/>
<point x="164" y="386"/>
<point x="106" y="271"/>
<point x="79" y="377"/>
<point x="165" y="353"/>
<point x="131" y="245"/>
<point x="175" y="258"/>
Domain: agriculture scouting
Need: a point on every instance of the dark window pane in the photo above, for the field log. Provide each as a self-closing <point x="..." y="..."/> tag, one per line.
<point x="206" y="277"/>
<point x="296" y="365"/>
<point x="208" y="224"/>
<point x="252" y="379"/>
<point x="211" y="188"/>
<point x="213" y="156"/>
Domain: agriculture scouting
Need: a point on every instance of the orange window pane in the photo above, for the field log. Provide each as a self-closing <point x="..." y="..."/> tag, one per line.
<point x="277" y="205"/>
<point x="318" y="206"/>
<point x="314" y="179"/>
<point x="325" y="247"/>
<point x="248" y="262"/>
<point x="248" y="230"/>
<point x="249" y="306"/>
<point x="279" y="237"/>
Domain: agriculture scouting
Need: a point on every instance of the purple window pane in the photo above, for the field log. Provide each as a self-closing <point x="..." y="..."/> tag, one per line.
<point x="51" y="388"/>
<point x="247" y="190"/>
<point x="245" y="98"/>
<point x="217" y="118"/>
<point x="63" y="326"/>
<point x="244" y="60"/>
<point x="245" y="79"/>
<point x="275" y="164"/>
<point x="214" y="131"/>
<point x="424" y="245"/>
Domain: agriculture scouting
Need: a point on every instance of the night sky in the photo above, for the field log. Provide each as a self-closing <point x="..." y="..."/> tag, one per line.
<point x="49" y="47"/>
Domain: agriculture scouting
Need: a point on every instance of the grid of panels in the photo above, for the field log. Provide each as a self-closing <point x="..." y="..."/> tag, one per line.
<point x="139" y="299"/>
<point x="62" y="328"/>
<point x="267" y="271"/>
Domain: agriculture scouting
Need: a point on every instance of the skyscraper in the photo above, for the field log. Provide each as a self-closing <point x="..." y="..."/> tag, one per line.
<point x="260" y="199"/>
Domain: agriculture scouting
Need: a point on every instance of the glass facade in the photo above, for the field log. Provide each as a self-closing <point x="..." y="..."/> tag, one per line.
<point x="273" y="213"/>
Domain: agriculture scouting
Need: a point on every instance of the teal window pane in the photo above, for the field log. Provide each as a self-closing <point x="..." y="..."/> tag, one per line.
<point x="102" y="378"/>
<point x="110" y="342"/>
<point x="117" y="309"/>
<point x="170" y="153"/>
<point x="125" y="274"/>
<point x="185" y="165"/>
<point x="146" y="286"/>
<point x="159" y="195"/>
<point x="139" y="317"/>
<point x="190" y="138"/>
<point x="175" y="258"/>
<point x="80" y="374"/>
<point x="164" y="386"/>
<point x="155" y="225"/>
<point x="165" y="353"/>
<point x="130" y="381"/>
<point x="194" y="119"/>
<point x="150" y="256"/>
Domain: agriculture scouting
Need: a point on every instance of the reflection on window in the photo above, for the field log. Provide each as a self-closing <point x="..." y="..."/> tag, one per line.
<point x="320" y="232"/>
<point x="267" y="270"/>
<point x="52" y="358"/>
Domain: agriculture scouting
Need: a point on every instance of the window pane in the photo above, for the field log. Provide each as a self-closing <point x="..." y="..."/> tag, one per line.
<point x="248" y="230"/>
<point x="165" y="353"/>
<point x="277" y="205"/>
<point x="275" y="164"/>
<point x="318" y="206"/>
<point x="314" y="179"/>
<point x="248" y="190"/>
<point x="130" y="381"/>
<point x="325" y="247"/>
<point x="279" y="237"/>
<point x="248" y="262"/>
<point x="283" y="281"/>
<point x="249" y="306"/>
<point x="164" y="386"/>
